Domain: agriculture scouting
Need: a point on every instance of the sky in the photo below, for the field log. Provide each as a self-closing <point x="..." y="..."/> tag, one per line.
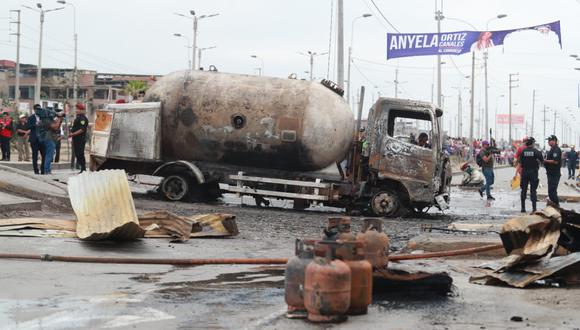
<point x="133" y="36"/>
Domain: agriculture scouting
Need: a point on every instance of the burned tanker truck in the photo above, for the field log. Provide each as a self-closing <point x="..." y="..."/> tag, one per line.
<point x="207" y="133"/>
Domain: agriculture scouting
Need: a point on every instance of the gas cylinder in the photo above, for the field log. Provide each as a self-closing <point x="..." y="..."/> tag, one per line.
<point x="327" y="285"/>
<point x="376" y="242"/>
<point x="338" y="228"/>
<point x="252" y="121"/>
<point x="294" y="278"/>
<point x="361" y="285"/>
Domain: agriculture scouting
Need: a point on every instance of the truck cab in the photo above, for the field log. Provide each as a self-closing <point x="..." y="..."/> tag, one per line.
<point x="402" y="174"/>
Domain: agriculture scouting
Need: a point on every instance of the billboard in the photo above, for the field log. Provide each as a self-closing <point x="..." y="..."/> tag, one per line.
<point x="517" y="119"/>
<point x="456" y="43"/>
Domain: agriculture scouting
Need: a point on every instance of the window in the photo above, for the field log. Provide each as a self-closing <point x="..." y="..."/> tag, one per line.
<point x="406" y="126"/>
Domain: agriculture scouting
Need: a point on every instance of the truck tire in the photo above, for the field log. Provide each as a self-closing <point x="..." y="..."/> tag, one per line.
<point x="176" y="187"/>
<point x="386" y="203"/>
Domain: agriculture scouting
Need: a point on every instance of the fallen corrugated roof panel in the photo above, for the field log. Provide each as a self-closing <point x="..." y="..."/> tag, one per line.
<point x="104" y="206"/>
<point x="168" y="224"/>
<point x="216" y="225"/>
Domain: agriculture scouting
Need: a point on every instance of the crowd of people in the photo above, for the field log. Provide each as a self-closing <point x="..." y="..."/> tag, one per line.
<point x="526" y="158"/>
<point x="40" y="134"/>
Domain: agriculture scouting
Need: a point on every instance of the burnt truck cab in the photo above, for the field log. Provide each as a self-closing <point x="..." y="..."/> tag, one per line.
<point x="401" y="175"/>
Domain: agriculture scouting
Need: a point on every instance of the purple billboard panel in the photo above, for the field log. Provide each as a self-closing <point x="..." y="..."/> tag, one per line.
<point x="455" y="43"/>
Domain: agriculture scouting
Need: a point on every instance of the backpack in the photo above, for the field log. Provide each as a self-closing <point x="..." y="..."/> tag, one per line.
<point x="479" y="160"/>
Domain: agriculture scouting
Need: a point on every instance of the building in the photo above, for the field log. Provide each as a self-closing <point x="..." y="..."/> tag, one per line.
<point x="94" y="88"/>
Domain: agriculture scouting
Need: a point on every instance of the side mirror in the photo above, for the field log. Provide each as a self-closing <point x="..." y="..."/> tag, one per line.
<point x="438" y="112"/>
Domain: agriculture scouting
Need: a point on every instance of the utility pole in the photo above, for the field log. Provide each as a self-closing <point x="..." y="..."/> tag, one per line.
<point x="438" y="17"/>
<point x="511" y="86"/>
<point x="459" y="114"/>
<point x="37" y="88"/>
<point x="486" y="96"/>
<point x="471" y="102"/>
<point x="340" y="44"/>
<point x="545" y="120"/>
<point x="396" y="81"/>
<point x="75" y="70"/>
<point x="17" y="73"/>
<point x="555" y="117"/>
<point x="533" y="112"/>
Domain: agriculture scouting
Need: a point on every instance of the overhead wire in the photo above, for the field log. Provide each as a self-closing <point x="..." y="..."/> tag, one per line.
<point x="384" y="17"/>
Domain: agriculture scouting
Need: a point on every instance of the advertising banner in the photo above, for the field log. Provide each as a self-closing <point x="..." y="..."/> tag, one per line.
<point x="455" y="43"/>
<point x="503" y="119"/>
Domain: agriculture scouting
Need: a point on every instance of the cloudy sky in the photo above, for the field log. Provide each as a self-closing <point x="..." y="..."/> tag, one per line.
<point x="137" y="37"/>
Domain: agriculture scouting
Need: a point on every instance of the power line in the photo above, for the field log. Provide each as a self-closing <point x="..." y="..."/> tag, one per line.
<point x="380" y="12"/>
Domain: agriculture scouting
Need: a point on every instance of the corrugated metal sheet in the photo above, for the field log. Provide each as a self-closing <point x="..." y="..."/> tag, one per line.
<point x="104" y="206"/>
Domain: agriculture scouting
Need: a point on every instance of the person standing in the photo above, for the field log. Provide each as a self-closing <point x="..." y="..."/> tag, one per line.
<point x="5" y="135"/>
<point x="22" y="132"/>
<point x="552" y="163"/>
<point x="530" y="160"/>
<point x="79" y="135"/>
<point x="572" y="157"/>
<point x="59" y="135"/>
<point x="45" y="132"/>
<point x="35" y="145"/>
<point x="486" y="163"/>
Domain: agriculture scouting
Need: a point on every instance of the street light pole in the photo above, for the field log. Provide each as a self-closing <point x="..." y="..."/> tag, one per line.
<point x="199" y="52"/>
<point x="17" y="70"/>
<point x="350" y="53"/>
<point x="195" y="19"/>
<point x="439" y="17"/>
<point x="37" y="87"/>
<point x="179" y="35"/>
<point x="340" y="44"/>
<point x="485" y="56"/>
<point x="75" y="70"/>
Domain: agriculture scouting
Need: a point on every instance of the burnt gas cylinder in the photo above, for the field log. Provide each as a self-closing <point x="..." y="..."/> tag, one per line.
<point x="376" y="242"/>
<point x="361" y="284"/>
<point x="327" y="286"/>
<point x="339" y="228"/>
<point x="294" y="278"/>
<point x="252" y="121"/>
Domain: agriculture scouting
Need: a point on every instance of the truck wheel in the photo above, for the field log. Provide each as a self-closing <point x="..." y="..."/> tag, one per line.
<point x="385" y="204"/>
<point x="175" y="187"/>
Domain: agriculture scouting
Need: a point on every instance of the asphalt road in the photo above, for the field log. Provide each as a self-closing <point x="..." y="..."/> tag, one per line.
<point x="53" y="295"/>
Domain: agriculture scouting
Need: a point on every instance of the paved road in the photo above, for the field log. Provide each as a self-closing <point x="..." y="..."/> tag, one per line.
<point x="51" y="295"/>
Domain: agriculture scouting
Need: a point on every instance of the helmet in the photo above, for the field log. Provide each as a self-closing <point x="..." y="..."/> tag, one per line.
<point x="530" y="141"/>
<point x="484" y="142"/>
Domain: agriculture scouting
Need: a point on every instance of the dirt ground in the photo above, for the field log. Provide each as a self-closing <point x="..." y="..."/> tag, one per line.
<point x="52" y="295"/>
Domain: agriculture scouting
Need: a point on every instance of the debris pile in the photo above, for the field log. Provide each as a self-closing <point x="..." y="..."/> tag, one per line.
<point x="531" y="242"/>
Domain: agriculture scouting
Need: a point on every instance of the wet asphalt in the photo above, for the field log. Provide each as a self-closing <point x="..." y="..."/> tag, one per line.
<point x="54" y="295"/>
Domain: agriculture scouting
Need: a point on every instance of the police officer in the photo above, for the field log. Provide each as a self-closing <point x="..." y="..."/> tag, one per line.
<point x="530" y="160"/>
<point x="553" y="164"/>
<point x="79" y="135"/>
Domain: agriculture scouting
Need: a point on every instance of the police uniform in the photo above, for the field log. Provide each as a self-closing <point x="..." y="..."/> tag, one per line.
<point x="553" y="172"/>
<point x="530" y="161"/>
<point x="81" y="122"/>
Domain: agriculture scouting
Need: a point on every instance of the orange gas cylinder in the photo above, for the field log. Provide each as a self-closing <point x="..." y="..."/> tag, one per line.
<point x="361" y="285"/>
<point x="338" y="228"/>
<point x="327" y="286"/>
<point x="376" y="242"/>
<point x="294" y="278"/>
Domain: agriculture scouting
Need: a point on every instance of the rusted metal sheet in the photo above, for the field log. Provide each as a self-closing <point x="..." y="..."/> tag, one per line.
<point x="553" y="268"/>
<point x="251" y="121"/>
<point x="167" y="224"/>
<point x="101" y="133"/>
<point x="215" y="225"/>
<point x="104" y="206"/>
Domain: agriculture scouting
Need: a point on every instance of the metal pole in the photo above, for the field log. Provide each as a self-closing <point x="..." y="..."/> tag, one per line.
<point x="471" y="102"/>
<point x="39" y="67"/>
<point x="194" y="46"/>
<point x="312" y="69"/>
<point x="459" y="114"/>
<point x="199" y="57"/>
<point x="533" y="112"/>
<point x="340" y="44"/>
<point x="438" y="17"/>
<point x="486" y="98"/>
<point x="396" y="83"/>
<point x="17" y="86"/>
<point x="348" y="70"/>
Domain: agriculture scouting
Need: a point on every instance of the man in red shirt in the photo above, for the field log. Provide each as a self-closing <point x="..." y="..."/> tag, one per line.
<point x="5" y="135"/>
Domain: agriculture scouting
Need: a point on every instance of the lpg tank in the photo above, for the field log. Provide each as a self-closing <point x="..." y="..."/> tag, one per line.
<point x="251" y="121"/>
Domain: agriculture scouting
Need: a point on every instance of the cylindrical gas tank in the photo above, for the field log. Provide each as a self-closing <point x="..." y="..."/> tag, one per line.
<point x="339" y="228"/>
<point x="361" y="284"/>
<point x="376" y="242"/>
<point x="294" y="278"/>
<point x="251" y="121"/>
<point x="326" y="286"/>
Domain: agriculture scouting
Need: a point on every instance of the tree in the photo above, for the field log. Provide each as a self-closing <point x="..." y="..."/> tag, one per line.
<point x="135" y="88"/>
